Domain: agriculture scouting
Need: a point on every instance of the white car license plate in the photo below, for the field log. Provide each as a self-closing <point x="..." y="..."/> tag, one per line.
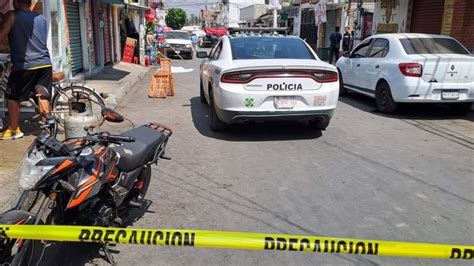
<point x="177" y="52"/>
<point x="284" y="102"/>
<point x="450" y="95"/>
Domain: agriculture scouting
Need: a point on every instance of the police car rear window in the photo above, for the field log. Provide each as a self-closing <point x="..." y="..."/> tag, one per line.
<point x="269" y="48"/>
<point x="432" y="46"/>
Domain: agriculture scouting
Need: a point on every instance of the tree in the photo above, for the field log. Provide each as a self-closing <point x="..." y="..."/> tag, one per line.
<point x="175" y="18"/>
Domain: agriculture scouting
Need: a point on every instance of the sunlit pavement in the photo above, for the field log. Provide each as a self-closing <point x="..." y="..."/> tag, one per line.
<point x="404" y="177"/>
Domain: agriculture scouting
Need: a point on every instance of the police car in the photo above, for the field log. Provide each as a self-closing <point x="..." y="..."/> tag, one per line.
<point x="267" y="76"/>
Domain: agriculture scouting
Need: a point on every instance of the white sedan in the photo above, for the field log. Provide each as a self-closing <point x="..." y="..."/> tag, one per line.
<point x="410" y="68"/>
<point x="259" y="77"/>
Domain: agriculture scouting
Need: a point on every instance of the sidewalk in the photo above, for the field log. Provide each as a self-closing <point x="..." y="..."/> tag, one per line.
<point x="113" y="84"/>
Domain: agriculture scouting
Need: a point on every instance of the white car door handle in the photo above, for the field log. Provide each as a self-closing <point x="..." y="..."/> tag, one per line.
<point x="358" y="65"/>
<point x="377" y="66"/>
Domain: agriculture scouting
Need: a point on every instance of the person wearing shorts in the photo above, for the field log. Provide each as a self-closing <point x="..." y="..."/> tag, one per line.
<point x="27" y="33"/>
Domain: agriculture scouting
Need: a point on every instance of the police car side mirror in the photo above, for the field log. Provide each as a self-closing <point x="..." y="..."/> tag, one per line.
<point x="202" y="54"/>
<point x="346" y="54"/>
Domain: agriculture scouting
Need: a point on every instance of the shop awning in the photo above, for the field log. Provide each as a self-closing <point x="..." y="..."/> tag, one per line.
<point x="115" y="2"/>
<point x="137" y="6"/>
<point x="216" y="31"/>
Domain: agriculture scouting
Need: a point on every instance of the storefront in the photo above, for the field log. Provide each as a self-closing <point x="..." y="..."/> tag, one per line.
<point x="447" y="17"/>
<point x="75" y="38"/>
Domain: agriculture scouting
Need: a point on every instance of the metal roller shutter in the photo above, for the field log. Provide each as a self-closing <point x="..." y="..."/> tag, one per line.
<point x="427" y="16"/>
<point x="330" y="25"/>
<point x="75" y="44"/>
<point x="107" y="47"/>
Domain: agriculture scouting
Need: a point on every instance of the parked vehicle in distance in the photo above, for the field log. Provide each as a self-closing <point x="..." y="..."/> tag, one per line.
<point x="179" y="43"/>
<point x="410" y="68"/>
<point x="259" y="77"/>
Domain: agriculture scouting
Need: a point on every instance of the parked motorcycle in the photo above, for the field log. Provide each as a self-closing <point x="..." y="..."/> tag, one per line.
<point x="94" y="180"/>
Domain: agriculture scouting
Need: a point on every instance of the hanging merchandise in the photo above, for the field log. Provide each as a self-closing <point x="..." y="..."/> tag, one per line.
<point x="150" y="15"/>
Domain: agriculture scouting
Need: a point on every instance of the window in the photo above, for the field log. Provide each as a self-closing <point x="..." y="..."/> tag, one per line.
<point x="380" y="48"/>
<point x="269" y="48"/>
<point x="432" y="46"/>
<point x="177" y="35"/>
<point x="216" y="51"/>
<point x="362" y="49"/>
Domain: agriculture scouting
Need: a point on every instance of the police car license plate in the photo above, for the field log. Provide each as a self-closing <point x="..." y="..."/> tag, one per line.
<point x="450" y="95"/>
<point x="284" y="102"/>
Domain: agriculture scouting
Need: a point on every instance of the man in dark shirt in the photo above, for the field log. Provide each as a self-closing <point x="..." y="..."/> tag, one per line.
<point x="27" y="33"/>
<point x="346" y="40"/>
<point x="335" y="40"/>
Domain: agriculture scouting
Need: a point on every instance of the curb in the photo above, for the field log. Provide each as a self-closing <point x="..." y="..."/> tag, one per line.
<point x="112" y="100"/>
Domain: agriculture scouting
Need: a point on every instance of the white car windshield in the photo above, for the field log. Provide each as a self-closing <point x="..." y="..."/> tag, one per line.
<point x="432" y="46"/>
<point x="177" y="35"/>
<point x="269" y="48"/>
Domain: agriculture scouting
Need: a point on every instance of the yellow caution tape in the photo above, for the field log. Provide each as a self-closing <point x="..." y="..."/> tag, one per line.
<point x="235" y="240"/>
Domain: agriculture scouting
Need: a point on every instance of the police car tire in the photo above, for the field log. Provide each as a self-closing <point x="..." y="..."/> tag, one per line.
<point x="215" y="123"/>
<point x="342" y="90"/>
<point x="202" y="97"/>
<point x="384" y="99"/>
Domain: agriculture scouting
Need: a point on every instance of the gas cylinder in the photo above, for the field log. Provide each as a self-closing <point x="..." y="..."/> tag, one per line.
<point x="74" y="126"/>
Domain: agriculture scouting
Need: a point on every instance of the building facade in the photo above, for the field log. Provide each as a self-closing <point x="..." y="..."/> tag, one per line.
<point x="87" y="35"/>
<point x="447" y="17"/>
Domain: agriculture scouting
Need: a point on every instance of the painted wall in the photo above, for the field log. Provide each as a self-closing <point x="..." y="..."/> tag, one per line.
<point x="390" y="16"/>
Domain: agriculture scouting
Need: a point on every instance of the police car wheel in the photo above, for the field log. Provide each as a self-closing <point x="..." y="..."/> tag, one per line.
<point x="215" y="123"/>
<point x="202" y="97"/>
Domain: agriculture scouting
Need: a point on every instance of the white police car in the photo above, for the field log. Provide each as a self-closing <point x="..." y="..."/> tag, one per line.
<point x="259" y="77"/>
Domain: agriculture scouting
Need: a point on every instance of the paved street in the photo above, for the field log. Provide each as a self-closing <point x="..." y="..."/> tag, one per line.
<point x="405" y="177"/>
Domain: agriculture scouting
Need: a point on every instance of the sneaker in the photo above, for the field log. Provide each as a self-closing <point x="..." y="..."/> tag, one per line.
<point x="11" y="134"/>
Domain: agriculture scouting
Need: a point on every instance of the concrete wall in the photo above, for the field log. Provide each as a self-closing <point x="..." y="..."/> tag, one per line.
<point x="463" y="23"/>
<point x="252" y="12"/>
<point x="391" y="18"/>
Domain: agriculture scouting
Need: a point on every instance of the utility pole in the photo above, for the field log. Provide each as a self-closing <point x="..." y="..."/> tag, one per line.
<point x="275" y="5"/>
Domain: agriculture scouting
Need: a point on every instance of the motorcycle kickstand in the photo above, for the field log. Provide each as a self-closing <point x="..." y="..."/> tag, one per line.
<point x="108" y="255"/>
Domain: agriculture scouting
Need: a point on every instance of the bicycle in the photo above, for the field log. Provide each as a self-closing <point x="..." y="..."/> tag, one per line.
<point x="74" y="98"/>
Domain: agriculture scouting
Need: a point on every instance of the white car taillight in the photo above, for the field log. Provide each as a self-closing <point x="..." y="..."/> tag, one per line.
<point x="411" y="69"/>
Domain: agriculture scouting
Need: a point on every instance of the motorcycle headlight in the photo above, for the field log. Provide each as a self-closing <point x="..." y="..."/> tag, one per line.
<point x="29" y="173"/>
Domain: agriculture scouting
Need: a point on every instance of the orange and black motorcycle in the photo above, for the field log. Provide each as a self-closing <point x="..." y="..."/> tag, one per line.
<point x="94" y="180"/>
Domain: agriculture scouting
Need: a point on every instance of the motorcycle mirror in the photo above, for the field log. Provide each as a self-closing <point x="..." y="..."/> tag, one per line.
<point x="112" y="116"/>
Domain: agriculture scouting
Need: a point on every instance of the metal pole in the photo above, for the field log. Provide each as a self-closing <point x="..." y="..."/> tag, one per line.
<point x="275" y="16"/>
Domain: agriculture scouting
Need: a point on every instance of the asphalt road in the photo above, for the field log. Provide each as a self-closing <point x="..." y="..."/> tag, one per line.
<point x="406" y="177"/>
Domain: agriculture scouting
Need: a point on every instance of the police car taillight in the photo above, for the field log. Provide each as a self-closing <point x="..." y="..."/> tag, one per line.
<point x="324" y="76"/>
<point x="236" y="77"/>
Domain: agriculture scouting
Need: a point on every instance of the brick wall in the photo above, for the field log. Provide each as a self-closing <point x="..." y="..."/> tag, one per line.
<point x="463" y="23"/>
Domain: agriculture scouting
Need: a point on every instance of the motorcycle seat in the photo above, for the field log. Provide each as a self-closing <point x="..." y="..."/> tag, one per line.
<point x="136" y="154"/>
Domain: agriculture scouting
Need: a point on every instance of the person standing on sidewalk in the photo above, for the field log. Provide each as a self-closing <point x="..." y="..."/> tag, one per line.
<point x="346" y="40"/>
<point x="335" y="40"/>
<point x="31" y="63"/>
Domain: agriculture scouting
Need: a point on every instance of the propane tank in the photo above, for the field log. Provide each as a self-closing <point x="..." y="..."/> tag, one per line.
<point x="74" y="126"/>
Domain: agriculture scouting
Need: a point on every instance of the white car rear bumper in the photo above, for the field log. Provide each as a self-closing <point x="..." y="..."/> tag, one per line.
<point x="418" y="90"/>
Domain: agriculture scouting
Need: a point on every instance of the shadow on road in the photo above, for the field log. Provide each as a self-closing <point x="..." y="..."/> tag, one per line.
<point x="422" y="111"/>
<point x="69" y="253"/>
<point x="268" y="131"/>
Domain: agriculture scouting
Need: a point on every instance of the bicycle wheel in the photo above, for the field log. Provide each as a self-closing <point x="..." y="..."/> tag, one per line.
<point x="76" y="99"/>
